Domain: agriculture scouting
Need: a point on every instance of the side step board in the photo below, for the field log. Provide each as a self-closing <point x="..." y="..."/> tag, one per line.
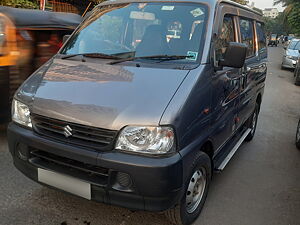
<point x="234" y="149"/>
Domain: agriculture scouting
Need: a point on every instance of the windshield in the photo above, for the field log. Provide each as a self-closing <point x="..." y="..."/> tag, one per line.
<point x="294" y="45"/>
<point x="142" y="29"/>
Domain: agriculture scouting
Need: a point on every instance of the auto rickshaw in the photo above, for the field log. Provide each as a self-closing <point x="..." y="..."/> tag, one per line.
<point x="273" y="40"/>
<point x="28" y="38"/>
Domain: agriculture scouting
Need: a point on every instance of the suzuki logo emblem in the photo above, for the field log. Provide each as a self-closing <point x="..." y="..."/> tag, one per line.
<point x="67" y="131"/>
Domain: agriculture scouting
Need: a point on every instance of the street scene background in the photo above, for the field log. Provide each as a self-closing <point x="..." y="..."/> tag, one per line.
<point x="260" y="185"/>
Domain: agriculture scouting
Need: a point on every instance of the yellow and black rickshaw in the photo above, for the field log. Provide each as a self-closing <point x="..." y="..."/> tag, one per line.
<point x="28" y="38"/>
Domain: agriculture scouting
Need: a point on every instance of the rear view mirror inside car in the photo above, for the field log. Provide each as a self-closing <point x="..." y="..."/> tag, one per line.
<point x="142" y="15"/>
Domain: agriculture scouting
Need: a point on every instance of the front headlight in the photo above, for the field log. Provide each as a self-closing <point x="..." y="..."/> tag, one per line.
<point x="149" y="140"/>
<point x="21" y="113"/>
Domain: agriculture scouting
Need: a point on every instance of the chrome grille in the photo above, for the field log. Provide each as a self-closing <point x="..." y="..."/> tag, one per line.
<point x="86" y="136"/>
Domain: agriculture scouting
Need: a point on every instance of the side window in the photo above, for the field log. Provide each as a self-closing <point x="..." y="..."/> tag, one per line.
<point x="226" y="36"/>
<point x="247" y="34"/>
<point x="261" y="36"/>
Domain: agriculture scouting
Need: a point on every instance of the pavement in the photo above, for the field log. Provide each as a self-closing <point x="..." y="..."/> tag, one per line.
<point x="260" y="185"/>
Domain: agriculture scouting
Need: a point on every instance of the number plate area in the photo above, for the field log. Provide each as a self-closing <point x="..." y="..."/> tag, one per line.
<point x="66" y="183"/>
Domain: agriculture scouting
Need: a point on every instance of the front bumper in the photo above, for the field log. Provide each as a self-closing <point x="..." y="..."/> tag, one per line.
<point x="288" y="63"/>
<point x="156" y="183"/>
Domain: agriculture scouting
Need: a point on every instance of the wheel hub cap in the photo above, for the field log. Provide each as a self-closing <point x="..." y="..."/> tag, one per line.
<point x="195" y="190"/>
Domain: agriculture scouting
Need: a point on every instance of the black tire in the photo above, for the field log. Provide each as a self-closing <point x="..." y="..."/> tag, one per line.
<point x="297" y="76"/>
<point x="252" y="123"/>
<point x="179" y="215"/>
<point x="4" y="96"/>
<point x="298" y="136"/>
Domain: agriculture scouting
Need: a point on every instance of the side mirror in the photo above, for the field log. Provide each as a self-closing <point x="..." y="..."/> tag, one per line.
<point x="235" y="55"/>
<point x="65" y="38"/>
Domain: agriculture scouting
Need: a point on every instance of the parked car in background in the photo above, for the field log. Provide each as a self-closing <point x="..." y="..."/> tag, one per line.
<point x="298" y="135"/>
<point x="28" y="38"/>
<point x="287" y="40"/>
<point x="291" y="55"/>
<point x="138" y="120"/>
<point x="297" y="72"/>
<point x="273" y="41"/>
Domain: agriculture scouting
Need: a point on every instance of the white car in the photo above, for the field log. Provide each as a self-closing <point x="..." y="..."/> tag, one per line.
<point x="291" y="55"/>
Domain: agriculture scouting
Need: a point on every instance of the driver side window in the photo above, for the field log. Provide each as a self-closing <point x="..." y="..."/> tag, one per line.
<point x="226" y="36"/>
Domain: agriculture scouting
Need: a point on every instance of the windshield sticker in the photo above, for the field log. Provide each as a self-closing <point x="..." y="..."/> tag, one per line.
<point x="167" y="7"/>
<point x="197" y="12"/>
<point x="192" y="55"/>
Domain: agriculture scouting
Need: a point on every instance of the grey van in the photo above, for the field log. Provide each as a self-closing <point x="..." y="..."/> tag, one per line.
<point x="142" y="103"/>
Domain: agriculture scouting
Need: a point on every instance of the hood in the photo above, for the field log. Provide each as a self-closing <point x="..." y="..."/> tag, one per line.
<point x="291" y="52"/>
<point x="105" y="96"/>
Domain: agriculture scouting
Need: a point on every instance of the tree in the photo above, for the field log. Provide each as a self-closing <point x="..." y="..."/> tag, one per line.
<point x="276" y="26"/>
<point x="285" y="2"/>
<point x="29" y="4"/>
<point x="291" y="14"/>
<point x="294" y="19"/>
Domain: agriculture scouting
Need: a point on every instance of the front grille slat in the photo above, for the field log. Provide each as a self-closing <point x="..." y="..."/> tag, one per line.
<point x="50" y="123"/>
<point x="90" y="139"/>
<point x="40" y="126"/>
<point x="64" y="162"/>
<point x="93" y="134"/>
<point x="81" y="135"/>
<point x="90" y="173"/>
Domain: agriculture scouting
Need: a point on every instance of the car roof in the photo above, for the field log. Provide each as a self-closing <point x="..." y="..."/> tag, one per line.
<point x="211" y="3"/>
<point x="32" y="18"/>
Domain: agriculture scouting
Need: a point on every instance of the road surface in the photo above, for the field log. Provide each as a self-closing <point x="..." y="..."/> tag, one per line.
<point x="260" y="185"/>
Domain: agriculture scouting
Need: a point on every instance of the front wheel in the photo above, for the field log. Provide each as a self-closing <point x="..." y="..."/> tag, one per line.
<point x="252" y="123"/>
<point x="196" y="189"/>
<point x="297" y="76"/>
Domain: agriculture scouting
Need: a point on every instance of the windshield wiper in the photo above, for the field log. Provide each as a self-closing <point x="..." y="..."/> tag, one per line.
<point x="92" y="55"/>
<point x="161" y="57"/>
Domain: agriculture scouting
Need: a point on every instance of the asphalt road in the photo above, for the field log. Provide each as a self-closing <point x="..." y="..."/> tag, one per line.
<point x="260" y="186"/>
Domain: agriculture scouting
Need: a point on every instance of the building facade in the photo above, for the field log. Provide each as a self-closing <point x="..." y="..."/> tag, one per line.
<point x="271" y="12"/>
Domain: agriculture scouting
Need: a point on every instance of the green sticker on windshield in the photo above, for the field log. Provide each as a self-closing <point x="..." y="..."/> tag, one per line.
<point x="192" y="55"/>
<point x="197" y="12"/>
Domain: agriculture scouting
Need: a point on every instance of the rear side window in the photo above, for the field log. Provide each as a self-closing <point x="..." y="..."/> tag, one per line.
<point x="226" y="36"/>
<point x="261" y="36"/>
<point x="247" y="34"/>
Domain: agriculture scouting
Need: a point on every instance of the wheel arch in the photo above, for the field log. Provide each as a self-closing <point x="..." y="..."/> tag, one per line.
<point x="208" y="148"/>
